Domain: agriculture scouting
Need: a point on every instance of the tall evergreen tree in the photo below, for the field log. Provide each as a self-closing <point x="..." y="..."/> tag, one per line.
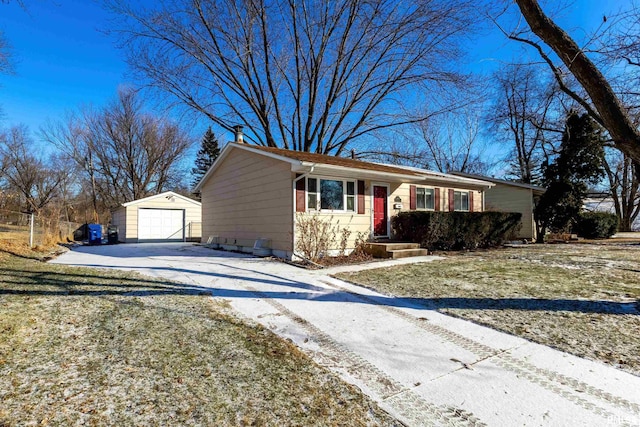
<point x="579" y="163"/>
<point x="208" y="153"/>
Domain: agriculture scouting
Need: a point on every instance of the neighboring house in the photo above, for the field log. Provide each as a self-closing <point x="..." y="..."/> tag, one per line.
<point x="164" y="217"/>
<point x="253" y="193"/>
<point x="603" y="202"/>
<point x="508" y="196"/>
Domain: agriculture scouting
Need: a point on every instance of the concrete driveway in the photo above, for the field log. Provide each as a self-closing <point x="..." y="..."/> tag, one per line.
<point x="423" y="367"/>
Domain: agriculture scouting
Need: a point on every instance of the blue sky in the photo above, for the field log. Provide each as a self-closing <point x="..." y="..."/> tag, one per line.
<point x="63" y="61"/>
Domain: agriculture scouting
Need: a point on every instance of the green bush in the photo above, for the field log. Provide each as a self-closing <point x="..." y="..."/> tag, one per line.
<point x="456" y="230"/>
<point x="596" y="225"/>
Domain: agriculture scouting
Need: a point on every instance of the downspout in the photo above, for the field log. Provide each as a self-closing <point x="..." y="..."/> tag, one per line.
<point x="293" y="205"/>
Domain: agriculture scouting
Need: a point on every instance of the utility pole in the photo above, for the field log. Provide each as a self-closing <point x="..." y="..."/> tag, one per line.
<point x="93" y="188"/>
<point x="31" y="230"/>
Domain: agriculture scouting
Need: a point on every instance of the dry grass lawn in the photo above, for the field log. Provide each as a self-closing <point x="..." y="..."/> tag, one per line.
<point x="14" y="234"/>
<point x="90" y="347"/>
<point x="583" y="299"/>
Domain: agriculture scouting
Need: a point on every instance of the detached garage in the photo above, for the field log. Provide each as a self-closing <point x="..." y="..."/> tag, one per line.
<point x="166" y="217"/>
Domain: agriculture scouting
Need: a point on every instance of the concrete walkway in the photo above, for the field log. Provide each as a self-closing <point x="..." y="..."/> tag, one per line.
<point x="423" y="367"/>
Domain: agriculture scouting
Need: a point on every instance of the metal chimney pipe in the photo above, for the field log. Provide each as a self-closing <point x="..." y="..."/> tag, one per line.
<point x="239" y="135"/>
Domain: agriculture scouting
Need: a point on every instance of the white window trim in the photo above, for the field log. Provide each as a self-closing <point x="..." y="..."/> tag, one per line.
<point x="319" y="195"/>
<point x="434" y="198"/>
<point x="468" y="200"/>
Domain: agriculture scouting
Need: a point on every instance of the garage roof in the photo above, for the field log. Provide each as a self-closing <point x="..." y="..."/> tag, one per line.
<point x="166" y="194"/>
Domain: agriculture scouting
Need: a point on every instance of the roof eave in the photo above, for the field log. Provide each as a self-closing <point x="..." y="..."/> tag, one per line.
<point x="320" y="168"/>
<point x="537" y="190"/>
<point x="472" y="183"/>
<point x="227" y="149"/>
<point x="155" y="196"/>
<point x="299" y="166"/>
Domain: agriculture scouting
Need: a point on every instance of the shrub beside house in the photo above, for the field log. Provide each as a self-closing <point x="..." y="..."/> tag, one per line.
<point x="457" y="230"/>
<point x="509" y="196"/>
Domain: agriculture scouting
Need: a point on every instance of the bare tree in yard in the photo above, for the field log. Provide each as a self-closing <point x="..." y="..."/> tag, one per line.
<point x="446" y="143"/>
<point x="624" y="187"/>
<point x="446" y="139"/>
<point x="26" y="173"/>
<point x="124" y="153"/>
<point x="522" y="115"/>
<point x="303" y="75"/>
<point x="600" y="100"/>
<point x="398" y="150"/>
<point x="451" y="142"/>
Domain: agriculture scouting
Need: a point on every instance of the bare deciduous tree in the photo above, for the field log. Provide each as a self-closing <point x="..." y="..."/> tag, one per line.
<point x="401" y="151"/>
<point x="27" y="173"/>
<point x="446" y="142"/>
<point x="446" y="138"/>
<point x="303" y="75"/>
<point x="451" y="142"/>
<point x="125" y="154"/>
<point x="523" y="115"/>
<point x="624" y="187"/>
<point x="5" y="55"/>
<point x="601" y="102"/>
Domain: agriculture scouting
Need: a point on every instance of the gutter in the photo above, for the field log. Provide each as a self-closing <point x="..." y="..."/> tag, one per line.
<point x="378" y="174"/>
<point x="408" y="178"/>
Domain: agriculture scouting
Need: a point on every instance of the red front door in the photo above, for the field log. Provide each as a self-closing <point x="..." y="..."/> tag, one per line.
<point x="380" y="211"/>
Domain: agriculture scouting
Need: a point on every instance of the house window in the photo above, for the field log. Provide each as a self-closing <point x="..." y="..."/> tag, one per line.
<point x="424" y="198"/>
<point x="351" y="196"/>
<point x="312" y="193"/>
<point x="461" y="200"/>
<point x="331" y="194"/>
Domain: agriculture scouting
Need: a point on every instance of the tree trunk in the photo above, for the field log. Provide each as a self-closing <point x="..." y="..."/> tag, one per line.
<point x="541" y="230"/>
<point x="613" y="115"/>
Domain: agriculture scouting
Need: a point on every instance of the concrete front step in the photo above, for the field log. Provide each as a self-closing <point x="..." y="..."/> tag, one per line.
<point x="394" y="250"/>
<point x="404" y="253"/>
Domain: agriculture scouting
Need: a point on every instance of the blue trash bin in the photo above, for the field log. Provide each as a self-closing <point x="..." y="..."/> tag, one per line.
<point x="95" y="234"/>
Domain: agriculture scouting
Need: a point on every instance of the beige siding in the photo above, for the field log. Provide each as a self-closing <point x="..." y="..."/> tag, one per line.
<point x="129" y="232"/>
<point x="131" y="224"/>
<point x="249" y="196"/>
<point x="507" y="198"/>
<point x="402" y="190"/>
<point x="119" y="219"/>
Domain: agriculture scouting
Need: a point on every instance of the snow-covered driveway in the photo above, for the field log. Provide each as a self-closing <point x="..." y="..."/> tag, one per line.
<point x="423" y="367"/>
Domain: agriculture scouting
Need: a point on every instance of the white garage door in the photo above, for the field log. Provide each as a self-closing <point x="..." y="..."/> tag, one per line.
<point x="160" y="224"/>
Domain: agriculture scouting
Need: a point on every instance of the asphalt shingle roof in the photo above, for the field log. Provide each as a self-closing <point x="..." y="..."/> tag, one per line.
<point x="336" y="161"/>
